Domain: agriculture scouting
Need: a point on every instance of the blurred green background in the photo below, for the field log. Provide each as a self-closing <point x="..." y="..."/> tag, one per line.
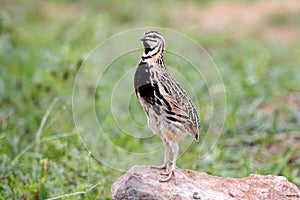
<point x="255" y="44"/>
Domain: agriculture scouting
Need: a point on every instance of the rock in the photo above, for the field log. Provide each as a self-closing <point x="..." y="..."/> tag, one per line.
<point x="141" y="182"/>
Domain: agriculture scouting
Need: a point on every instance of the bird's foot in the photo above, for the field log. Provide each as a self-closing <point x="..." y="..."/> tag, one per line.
<point x="169" y="174"/>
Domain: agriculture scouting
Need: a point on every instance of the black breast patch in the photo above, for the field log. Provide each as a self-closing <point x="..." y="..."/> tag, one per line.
<point x="142" y="83"/>
<point x="147" y="88"/>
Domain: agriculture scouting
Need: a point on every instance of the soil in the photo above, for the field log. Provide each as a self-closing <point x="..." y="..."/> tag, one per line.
<point x="273" y="19"/>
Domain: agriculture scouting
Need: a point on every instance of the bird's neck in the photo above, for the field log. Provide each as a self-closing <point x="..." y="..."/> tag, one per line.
<point x="156" y="58"/>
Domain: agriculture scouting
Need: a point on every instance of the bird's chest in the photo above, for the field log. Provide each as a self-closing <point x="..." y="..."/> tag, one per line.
<point x="146" y="85"/>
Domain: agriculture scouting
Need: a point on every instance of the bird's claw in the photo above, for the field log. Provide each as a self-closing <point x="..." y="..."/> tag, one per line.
<point x="169" y="175"/>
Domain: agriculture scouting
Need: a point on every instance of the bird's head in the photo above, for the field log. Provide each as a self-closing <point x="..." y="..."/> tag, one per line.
<point x="153" y="42"/>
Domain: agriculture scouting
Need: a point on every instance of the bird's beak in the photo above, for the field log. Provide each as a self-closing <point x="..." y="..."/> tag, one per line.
<point x="143" y="39"/>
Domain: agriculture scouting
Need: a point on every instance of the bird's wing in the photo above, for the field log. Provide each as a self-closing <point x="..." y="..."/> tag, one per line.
<point x="180" y="105"/>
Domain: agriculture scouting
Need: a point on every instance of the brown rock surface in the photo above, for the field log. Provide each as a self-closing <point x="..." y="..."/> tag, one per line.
<point x="141" y="182"/>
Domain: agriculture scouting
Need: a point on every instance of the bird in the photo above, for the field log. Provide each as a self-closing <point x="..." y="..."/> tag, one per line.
<point x="169" y="110"/>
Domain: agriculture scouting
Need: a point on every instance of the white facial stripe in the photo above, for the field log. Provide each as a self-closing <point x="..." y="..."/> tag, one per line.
<point x="153" y="52"/>
<point x="155" y="42"/>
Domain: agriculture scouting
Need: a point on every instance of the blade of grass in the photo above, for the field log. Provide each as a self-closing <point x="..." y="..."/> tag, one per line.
<point x="75" y="193"/>
<point x="45" y="139"/>
<point x="283" y="162"/>
<point x="43" y="122"/>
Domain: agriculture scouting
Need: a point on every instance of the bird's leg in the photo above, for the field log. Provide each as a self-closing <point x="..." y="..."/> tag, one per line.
<point x="171" y="172"/>
<point x="165" y="165"/>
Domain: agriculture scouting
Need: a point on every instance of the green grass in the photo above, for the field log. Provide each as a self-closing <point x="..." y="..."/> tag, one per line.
<point x="43" y="46"/>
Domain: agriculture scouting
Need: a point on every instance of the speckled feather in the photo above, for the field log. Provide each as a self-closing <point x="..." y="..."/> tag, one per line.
<point x="170" y="111"/>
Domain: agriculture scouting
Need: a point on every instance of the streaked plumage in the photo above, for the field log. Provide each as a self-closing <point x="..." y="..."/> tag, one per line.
<point x="170" y="112"/>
